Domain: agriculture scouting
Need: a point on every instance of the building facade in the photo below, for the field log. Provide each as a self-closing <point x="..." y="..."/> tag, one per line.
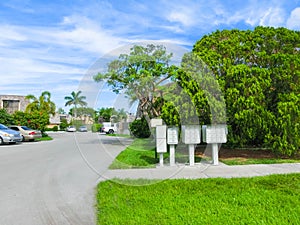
<point x="13" y="103"/>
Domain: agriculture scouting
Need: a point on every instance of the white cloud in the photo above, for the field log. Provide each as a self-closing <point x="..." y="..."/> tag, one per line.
<point x="183" y="17"/>
<point x="10" y="33"/>
<point x="272" y="17"/>
<point x="293" y="21"/>
<point x="87" y="35"/>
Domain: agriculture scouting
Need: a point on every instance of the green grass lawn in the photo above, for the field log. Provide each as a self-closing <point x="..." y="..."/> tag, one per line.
<point x="140" y="154"/>
<point x="272" y="199"/>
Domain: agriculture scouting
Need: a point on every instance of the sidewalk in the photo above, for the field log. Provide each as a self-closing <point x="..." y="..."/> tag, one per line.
<point x="203" y="170"/>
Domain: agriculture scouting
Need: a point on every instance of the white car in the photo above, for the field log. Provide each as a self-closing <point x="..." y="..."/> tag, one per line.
<point x="109" y="128"/>
<point x="8" y="135"/>
<point x="71" y="129"/>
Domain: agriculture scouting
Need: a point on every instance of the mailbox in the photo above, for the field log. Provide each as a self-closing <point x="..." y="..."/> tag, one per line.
<point x="191" y="134"/>
<point x="156" y="122"/>
<point x="161" y="132"/>
<point x="172" y="136"/>
<point x="161" y="138"/>
<point x="216" y="134"/>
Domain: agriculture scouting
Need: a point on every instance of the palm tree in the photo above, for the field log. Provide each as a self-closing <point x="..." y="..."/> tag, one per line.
<point x="43" y="103"/>
<point x="75" y="99"/>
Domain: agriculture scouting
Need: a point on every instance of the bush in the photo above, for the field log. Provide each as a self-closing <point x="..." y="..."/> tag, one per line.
<point x="5" y="118"/>
<point x="55" y="128"/>
<point x="96" y="127"/>
<point x="140" y="129"/>
<point x="63" y="124"/>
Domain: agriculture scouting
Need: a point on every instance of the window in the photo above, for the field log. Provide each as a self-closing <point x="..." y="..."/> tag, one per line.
<point x="11" y="105"/>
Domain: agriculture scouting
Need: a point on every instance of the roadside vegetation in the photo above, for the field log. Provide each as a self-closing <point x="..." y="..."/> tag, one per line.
<point x="141" y="154"/>
<point x="272" y="199"/>
<point x="254" y="73"/>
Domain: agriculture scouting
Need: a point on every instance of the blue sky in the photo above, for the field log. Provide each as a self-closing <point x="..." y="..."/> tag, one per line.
<point x="57" y="45"/>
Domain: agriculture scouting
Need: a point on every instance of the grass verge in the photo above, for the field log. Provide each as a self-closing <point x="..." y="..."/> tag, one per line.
<point x="45" y="137"/>
<point x="140" y="154"/>
<point x="272" y="199"/>
<point x="120" y="135"/>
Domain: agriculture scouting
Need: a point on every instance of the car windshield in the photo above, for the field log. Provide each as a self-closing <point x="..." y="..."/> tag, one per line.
<point x="2" y="127"/>
<point x="26" y="128"/>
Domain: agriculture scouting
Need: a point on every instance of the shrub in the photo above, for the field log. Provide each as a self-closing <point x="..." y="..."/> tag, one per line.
<point x="140" y="129"/>
<point x="55" y="128"/>
<point x="96" y="127"/>
<point x="5" y="118"/>
<point x="63" y="124"/>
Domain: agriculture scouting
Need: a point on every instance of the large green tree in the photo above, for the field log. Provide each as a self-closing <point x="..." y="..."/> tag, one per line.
<point x="110" y="114"/>
<point x="259" y="74"/>
<point x="75" y="99"/>
<point x="139" y="75"/>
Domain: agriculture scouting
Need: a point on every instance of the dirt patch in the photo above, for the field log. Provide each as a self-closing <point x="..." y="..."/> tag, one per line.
<point x="225" y="153"/>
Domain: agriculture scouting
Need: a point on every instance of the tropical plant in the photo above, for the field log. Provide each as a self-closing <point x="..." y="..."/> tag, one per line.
<point x="41" y="104"/>
<point x="76" y="100"/>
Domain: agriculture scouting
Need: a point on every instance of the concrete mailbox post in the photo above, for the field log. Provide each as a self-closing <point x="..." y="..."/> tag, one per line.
<point x="191" y="137"/>
<point x="215" y="134"/>
<point x="161" y="142"/>
<point x="172" y="140"/>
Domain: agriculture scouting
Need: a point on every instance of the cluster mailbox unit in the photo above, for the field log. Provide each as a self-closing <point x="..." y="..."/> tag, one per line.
<point x="172" y="140"/>
<point x="214" y="135"/>
<point x="191" y="136"/>
<point x="161" y="142"/>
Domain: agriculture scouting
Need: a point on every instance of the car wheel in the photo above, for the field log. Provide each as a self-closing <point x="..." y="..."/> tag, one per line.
<point x="23" y="138"/>
<point x="111" y="131"/>
<point x="1" y="141"/>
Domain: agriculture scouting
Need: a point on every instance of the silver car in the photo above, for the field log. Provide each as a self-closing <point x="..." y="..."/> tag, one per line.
<point x="27" y="133"/>
<point x="8" y="135"/>
<point x="83" y="129"/>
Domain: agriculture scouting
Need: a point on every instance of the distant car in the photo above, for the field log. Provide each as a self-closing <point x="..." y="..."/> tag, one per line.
<point x="109" y="128"/>
<point x="8" y="135"/>
<point x="27" y="133"/>
<point x="83" y="129"/>
<point x="71" y="129"/>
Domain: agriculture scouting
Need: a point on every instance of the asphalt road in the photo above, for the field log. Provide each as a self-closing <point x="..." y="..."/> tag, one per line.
<point x="53" y="182"/>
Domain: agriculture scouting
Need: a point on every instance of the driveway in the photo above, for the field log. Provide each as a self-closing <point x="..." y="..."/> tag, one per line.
<point x="53" y="182"/>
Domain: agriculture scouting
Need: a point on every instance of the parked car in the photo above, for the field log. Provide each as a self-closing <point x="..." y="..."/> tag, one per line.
<point x="109" y="128"/>
<point x="8" y="135"/>
<point x="83" y="129"/>
<point x="71" y="129"/>
<point x="27" y="133"/>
